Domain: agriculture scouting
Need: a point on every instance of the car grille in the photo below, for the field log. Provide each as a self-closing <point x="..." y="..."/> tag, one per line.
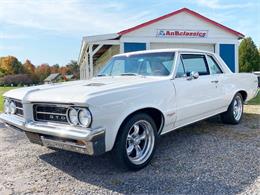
<point x="50" y="113"/>
<point x="19" y="107"/>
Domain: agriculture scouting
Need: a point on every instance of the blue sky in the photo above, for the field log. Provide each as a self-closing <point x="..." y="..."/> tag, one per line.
<point x="50" y="31"/>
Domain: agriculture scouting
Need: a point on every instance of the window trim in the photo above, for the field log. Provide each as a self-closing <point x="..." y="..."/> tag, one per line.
<point x="191" y="53"/>
<point x="180" y="61"/>
<point x="216" y="61"/>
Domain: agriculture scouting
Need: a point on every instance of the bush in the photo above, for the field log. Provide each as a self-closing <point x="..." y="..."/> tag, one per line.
<point x="16" y="80"/>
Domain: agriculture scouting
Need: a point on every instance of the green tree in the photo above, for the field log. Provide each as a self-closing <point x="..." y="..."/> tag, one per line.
<point x="73" y="68"/>
<point x="249" y="59"/>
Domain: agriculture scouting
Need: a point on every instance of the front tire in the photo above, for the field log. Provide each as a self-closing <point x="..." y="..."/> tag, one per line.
<point x="235" y="111"/>
<point x="136" y="142"/>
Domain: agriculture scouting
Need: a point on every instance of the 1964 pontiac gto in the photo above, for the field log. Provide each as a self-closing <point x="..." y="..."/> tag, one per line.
<point x="136" y="98"/>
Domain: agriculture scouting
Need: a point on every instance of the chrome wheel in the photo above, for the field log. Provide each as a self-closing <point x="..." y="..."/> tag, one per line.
<point x="237" y="108"/>
<point x="140" y="142"/>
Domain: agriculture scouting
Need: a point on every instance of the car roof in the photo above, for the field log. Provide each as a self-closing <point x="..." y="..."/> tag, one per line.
<point x="164" y="50"/>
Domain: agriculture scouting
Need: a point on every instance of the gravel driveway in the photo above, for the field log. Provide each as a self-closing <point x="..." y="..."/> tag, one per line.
<point x="204" y="158"/>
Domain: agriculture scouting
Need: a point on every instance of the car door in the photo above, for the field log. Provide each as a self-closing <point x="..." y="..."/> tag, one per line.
<point x="194" y="97"/>
<point x="218" y="80"/>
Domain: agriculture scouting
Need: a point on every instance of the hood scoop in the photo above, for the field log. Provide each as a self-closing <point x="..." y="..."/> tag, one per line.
<point x="94" y="84"/>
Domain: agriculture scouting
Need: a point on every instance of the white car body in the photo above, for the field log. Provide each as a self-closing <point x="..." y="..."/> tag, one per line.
<point x="112" y="99"/>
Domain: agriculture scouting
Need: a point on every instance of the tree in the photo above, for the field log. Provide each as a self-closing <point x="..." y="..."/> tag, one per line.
<point x="28" y="67"/>
<point x="73" y="68"/>
<point x="10" y="65"/>
<point x="42" y="72"/>
<point x="55" y="68"/>
<point x="64" y="70"/>
<point x="249" y="59"/>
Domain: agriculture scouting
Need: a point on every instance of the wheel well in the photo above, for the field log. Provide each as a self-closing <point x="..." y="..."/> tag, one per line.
<point x="244" y="94"/>
<point x="154" y="113"/>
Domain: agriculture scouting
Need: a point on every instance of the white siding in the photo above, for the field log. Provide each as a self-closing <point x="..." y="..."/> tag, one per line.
<point x="182" y="21"/>
<point x="206" y="47"/>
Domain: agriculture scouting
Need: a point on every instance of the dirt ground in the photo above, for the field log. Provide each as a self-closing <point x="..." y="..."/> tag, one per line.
<point x="207" y="157"/>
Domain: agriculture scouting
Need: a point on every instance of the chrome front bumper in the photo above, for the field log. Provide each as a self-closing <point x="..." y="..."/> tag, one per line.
<point x="82" y="140"/>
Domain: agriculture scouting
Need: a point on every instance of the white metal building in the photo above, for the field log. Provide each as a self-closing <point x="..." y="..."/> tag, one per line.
<point x="183" y="28"/>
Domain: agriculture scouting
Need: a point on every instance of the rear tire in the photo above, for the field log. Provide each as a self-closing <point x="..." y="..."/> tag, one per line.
<point x="235" y="111"/>
<point x="136" y="142"/>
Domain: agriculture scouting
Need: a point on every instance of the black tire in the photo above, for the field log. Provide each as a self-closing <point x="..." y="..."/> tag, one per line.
<point x="119" y="151"/>
<point x="228" y="117"/>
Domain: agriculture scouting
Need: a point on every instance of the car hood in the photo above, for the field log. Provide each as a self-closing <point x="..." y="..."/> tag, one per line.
<point x="77" y="91"/>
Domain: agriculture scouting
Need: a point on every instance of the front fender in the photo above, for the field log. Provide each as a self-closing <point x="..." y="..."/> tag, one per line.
<point x="111" y="110"/>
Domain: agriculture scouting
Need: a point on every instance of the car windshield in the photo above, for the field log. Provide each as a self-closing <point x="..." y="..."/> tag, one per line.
<point x="148" y="64"/>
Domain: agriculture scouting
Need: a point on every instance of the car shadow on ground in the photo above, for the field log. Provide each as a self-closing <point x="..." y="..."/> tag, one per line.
<point x="207" y="157"/>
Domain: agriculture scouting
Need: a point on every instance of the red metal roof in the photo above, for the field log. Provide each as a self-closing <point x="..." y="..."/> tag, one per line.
<point x="240" y="35"/>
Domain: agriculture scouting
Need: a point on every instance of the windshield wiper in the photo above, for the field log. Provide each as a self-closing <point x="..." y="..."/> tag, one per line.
<point x="101" y="75"/>
<point x="129" y="74"/>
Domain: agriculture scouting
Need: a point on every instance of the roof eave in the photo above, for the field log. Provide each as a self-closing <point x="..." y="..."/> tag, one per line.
<point x="236" y="33"/>
<point x="100" y="37"/>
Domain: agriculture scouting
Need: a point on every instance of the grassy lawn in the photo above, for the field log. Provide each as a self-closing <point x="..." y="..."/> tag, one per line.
<point x="256" y="100"/>
<point x="2" y="91"/>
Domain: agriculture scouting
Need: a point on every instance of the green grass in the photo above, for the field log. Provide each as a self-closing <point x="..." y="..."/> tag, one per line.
<point x="2" y="91"/>
<point x="256" y="100"/>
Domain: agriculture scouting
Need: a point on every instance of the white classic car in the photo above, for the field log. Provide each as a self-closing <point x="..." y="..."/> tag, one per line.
<point x="136" y="98"/>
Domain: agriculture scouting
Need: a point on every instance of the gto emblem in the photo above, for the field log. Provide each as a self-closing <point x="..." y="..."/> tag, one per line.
<point x="57" y="117"/>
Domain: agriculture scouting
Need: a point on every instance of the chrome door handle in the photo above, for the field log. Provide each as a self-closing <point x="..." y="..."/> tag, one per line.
<point x="216" y="81"/>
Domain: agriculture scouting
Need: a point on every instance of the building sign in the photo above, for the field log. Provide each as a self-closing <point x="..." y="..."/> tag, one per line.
<point x="172" y="33"/>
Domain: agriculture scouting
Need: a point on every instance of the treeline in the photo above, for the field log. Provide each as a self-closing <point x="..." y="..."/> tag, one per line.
<point x="13" y="72"/>
<point x="249" y="56"/>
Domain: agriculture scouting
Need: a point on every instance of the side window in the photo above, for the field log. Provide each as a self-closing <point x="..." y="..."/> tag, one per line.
<point x="213" y="65"/>
<point x="180" y="70"/>
<point x="195" y="62"/>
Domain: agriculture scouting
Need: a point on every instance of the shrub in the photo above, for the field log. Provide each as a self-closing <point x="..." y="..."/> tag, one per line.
<point x="16" y="80"/>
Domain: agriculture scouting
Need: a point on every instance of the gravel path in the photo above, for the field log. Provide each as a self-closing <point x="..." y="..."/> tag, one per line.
<point x="204" y="158"/>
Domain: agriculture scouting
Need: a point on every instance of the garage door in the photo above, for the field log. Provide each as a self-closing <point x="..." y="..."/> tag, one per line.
<point x="206" y="47"/>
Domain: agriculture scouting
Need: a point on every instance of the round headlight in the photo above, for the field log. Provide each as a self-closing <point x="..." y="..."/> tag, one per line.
<point x="84" y="117"/>
<point x="7" y="106"/>
<point x="73" y="116"/>
<point x="12" y="107"/>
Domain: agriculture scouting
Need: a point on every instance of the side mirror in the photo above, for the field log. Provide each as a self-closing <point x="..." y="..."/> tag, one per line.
<point x="193" y="75"/>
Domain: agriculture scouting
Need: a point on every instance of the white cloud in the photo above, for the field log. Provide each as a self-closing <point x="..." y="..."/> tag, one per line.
<point x="9" y="47"/>
<point x="216" y="4"/>
<point x="12" y="36"/>
<point x="69" y="16"/>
